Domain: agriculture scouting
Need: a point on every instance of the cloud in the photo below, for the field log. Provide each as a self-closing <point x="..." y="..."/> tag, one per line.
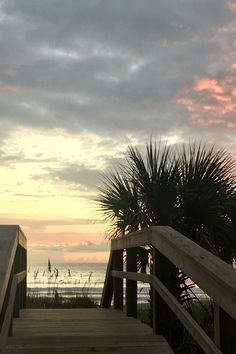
<point x="85" y="247"/>
<point x="231" y="5"/>
<point x="42" y="225"/>
<point x="106" y="67"/>
<point x="80" y="80"/>
<point x="79" y="175"/>
<point x="212" y="101"/>
<point x="108" y="74"/>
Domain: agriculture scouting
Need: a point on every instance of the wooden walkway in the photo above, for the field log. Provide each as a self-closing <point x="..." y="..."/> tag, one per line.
<point x="82" y="331"/>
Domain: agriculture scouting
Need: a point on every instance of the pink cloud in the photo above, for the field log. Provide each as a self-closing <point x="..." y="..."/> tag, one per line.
<point x="209" y="85"/>
<point x="212" y="101"/>
<point x="234" y="92"/>
<point x="10" y="88"/>
<point x="222" y="98"/>
<point x="231" y="6"/>
<point x="231" y="124"/>
<point x="207" y="122"/>
<point x="229" y="28"/>
<point x="187" y="102"/>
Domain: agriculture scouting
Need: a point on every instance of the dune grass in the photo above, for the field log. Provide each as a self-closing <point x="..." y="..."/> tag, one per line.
<point x="57" y="301"/>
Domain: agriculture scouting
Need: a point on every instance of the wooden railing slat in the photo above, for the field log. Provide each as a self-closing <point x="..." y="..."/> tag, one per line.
<point x="145" y="278"/>
<point x="8" y="315"/>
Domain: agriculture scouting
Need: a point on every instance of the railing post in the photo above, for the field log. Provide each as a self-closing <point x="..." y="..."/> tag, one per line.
<point x="227" y="332"/>
<point x="131" y="285"/>
<point x="17" y="269"/>
<point x="24" y="282"/>
<point x="154" y="294"/>
<point x="161" y="312"/>
<point x="117" y="282"/>
<point x="216" y="318"/>
<point x="16" y="310"/>
<point x="108" y="284"/>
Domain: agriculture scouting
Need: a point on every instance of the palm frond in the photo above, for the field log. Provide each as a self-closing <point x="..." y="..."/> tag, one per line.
<point x="207" y="184"/>
<point x="119" y="203"/>
<point x="156" y="181"/>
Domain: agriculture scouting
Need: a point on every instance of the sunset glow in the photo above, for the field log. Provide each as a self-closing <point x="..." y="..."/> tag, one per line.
<point x="81" y="81"/>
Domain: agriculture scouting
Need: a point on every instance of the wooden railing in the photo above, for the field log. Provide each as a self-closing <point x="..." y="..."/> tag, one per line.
<point x="216" y="278"/>
<point x="12" y="278"/>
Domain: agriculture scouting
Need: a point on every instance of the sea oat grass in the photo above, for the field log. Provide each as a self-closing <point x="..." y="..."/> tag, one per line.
<point x="56" y="301"/>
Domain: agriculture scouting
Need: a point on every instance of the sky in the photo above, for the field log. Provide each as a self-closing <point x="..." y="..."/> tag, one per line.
<point x="80" y="80"/>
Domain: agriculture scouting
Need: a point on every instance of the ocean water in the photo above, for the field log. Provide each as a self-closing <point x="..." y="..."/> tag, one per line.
<point x="68" y="279"/>
<point x="71" y="279"/>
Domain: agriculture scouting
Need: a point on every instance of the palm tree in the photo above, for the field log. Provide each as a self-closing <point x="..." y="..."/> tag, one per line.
<point x="206" y="190"/>
<point x="192" y="190"/>
<point x="140" y="194"/>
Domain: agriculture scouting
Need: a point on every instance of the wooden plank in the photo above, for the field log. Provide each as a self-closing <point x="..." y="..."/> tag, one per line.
<point x="90" y="330"/>
<point x="8" y="246"/>
<point x="155" y="296"/>
<point x="61" y="350"/>
<point x="22" y="240"/>
<point x="131" y="285"/>
<point x="145" y="278"/>
<point x="135" y="239"/>
<point x="10" y="236"/>
<point x="6" y="326"/>
<point x="8" y="315"/>
<point x="108" y="285"/>
<point x="20" y="276"/>
<point x="118" y="283"/>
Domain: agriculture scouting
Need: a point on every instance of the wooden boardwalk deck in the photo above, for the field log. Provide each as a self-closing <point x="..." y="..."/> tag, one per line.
<point x="82" y="331"/>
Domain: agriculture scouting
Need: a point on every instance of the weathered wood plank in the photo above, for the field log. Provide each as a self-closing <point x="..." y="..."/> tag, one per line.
<point x="108" y="285"/>
<point x="82" y="331"/>
<point x="10" y="237"/>
<point x="9" y="311"/>
<point x="145" y="278"/>
<point x="118" y="283"/>
<point x="8" y="245"/>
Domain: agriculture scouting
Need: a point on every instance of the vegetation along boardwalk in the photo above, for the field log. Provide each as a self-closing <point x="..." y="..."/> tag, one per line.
<point x="82" y="331"/>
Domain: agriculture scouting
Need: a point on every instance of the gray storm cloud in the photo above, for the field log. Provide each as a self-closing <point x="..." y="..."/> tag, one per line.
<point x="114" y="67"/>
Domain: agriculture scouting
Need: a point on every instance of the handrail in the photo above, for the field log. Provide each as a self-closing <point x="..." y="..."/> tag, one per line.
<point x="12" y="277"/>
<point x="215" y="277"/>
<point x="211" y="274"/>
<point x="11" y="236"/>
<point x="18" y="278"/>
